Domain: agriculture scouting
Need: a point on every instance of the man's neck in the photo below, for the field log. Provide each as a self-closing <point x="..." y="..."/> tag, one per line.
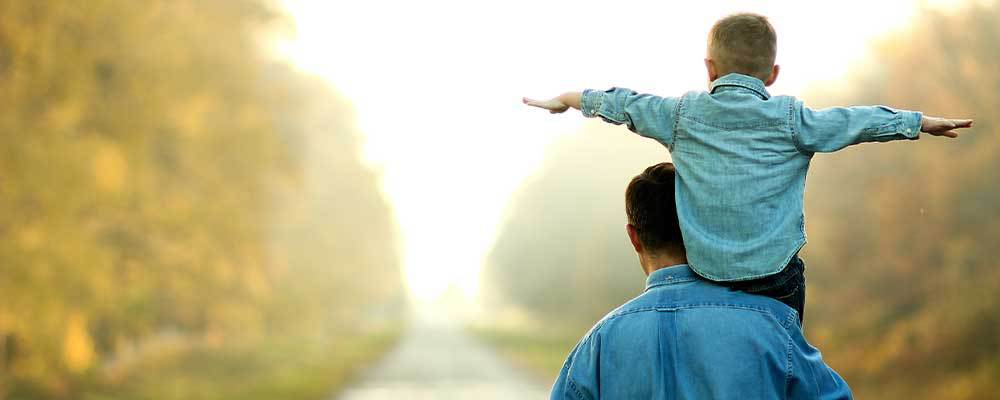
<point x="653" y="262"/>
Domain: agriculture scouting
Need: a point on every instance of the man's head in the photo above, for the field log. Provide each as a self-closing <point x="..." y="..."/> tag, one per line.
<point x="652" y="217"/>
<point x="743" y="43"/>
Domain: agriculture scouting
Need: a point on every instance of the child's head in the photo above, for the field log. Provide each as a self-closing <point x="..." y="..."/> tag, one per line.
<point x="744" y="43"/>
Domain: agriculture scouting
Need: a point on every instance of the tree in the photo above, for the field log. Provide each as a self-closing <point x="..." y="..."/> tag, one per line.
<point x="146" y="147"/>
<point x="906" y="288"/>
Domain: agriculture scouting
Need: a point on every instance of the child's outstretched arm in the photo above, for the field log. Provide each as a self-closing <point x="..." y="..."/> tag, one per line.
<point x="557" y="104"/>
<point x="832" y="129"/>
<point x="648" y="115"/>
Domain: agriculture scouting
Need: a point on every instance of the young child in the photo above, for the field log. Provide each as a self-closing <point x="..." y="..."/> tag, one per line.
<point x="741" y="156"/>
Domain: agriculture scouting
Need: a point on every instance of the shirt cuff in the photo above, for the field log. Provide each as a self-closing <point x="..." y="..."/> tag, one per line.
<point x="590" y="102"/>
<point x="911" y="124"/>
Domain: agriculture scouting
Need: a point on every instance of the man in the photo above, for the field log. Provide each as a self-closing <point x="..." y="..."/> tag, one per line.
<point x="686" y="337"/>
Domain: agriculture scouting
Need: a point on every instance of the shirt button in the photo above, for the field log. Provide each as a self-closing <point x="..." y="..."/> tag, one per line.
<point x="908" y="130"/>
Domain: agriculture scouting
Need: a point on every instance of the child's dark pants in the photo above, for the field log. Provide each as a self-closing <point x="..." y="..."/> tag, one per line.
<point x="787" y="286"/>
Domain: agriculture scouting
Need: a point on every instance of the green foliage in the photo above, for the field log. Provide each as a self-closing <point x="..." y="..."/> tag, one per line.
<point x="161" y="178"/>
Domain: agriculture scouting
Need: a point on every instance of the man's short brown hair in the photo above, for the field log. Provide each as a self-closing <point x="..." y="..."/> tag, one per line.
<point x="744" y="43"/>
<point x="651" y="209"/>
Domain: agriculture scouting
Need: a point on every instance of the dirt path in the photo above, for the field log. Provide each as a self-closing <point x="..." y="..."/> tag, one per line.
<point x="438" y="360"/>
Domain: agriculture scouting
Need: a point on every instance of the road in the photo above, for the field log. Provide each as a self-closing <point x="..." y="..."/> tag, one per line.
<point x="436" y="359"/>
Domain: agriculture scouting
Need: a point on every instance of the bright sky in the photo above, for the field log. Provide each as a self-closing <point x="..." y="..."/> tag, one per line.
<point x="436" y="86"/>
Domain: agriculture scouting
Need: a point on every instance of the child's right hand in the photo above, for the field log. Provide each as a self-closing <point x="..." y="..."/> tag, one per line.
<point x="943" y="126"/>
<point x="554" y="106"/>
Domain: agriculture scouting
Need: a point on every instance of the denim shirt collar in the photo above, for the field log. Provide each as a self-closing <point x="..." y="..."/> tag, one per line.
<point x="674" y="274"/>
<point x="743" y="81"/>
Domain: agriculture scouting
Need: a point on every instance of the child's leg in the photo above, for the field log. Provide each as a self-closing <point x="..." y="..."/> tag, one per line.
<point x="787" y="286"/>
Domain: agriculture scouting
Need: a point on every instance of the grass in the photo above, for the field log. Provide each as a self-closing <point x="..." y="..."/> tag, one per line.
<point x="269" y="369"/>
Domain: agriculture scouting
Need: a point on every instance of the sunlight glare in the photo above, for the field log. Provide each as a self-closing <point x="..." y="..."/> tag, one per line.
<point x="437" y="85"/>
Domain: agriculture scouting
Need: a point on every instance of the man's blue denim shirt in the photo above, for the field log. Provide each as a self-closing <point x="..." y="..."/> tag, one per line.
<point x="741" y="157"/>
<point x="688" y="338"/>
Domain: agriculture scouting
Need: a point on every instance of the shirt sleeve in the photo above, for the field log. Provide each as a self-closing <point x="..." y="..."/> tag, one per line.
<point x="578" y="378"/>
<point x="832" y="129"/>
<point x="809" y="377"/>
<point x="648" y="115"/>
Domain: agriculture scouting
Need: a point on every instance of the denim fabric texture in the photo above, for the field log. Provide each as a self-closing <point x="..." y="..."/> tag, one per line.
<point x="787" y="286"/>
<point x="689" y="338"/>
<point x="741" y="157"/>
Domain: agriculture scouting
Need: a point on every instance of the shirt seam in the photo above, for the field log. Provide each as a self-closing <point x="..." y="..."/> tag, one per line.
<point x="758" y="125"/>
<point x="678" y="109"/>
<point x="788" y="364"/>
<point x="678" y="273"/>
<point x="611" y="116"/>
<point x="615" y="106"/>
<point x="762" y="94"/>
<point x="799" y="244"/>
<point x="796" y="134"/>
<point x="595" y="109"/>
<point x="743" y="81"/>
<point x="576" y="391"/>
<point x="887" y="129"/>
<point x="761" y="309"/>
<point x="670" y="281"/>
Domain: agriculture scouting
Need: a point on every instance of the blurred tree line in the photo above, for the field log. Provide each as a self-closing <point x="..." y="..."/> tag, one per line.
<point x="163" y="180"/>
<point x="565" y="230"/>
<point x="902" y="287"/>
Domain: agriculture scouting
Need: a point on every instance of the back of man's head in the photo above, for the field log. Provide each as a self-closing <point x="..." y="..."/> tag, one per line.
<point x="651" y="210"/>
<point x="744" y="43"/>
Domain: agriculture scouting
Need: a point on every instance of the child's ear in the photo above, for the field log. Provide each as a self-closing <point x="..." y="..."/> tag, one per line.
<point x="713" y="73"/>
<point x="774" y="75"/>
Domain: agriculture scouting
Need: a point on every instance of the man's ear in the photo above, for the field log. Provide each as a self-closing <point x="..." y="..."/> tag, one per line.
<point x="774" y="75"/>
<point x="633" y="236"/>
<point x="713" y="72"/>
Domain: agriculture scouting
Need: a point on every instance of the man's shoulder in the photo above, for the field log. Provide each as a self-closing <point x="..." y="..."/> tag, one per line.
<point x="700" y="300"/>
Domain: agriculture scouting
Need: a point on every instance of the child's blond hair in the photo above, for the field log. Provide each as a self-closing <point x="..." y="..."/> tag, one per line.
<point x="744" y="43"/>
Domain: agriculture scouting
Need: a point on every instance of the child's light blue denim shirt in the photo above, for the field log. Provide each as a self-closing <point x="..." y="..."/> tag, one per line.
<point x="688" y="338"/>
<point x="741" y="157"/>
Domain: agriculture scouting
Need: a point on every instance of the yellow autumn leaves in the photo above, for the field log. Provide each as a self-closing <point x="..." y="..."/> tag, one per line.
<point x="109" y="168"/>
<point x="78" y="347"/>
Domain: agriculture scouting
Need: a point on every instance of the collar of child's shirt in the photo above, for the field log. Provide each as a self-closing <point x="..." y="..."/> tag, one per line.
<point x="743" y="81"/>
